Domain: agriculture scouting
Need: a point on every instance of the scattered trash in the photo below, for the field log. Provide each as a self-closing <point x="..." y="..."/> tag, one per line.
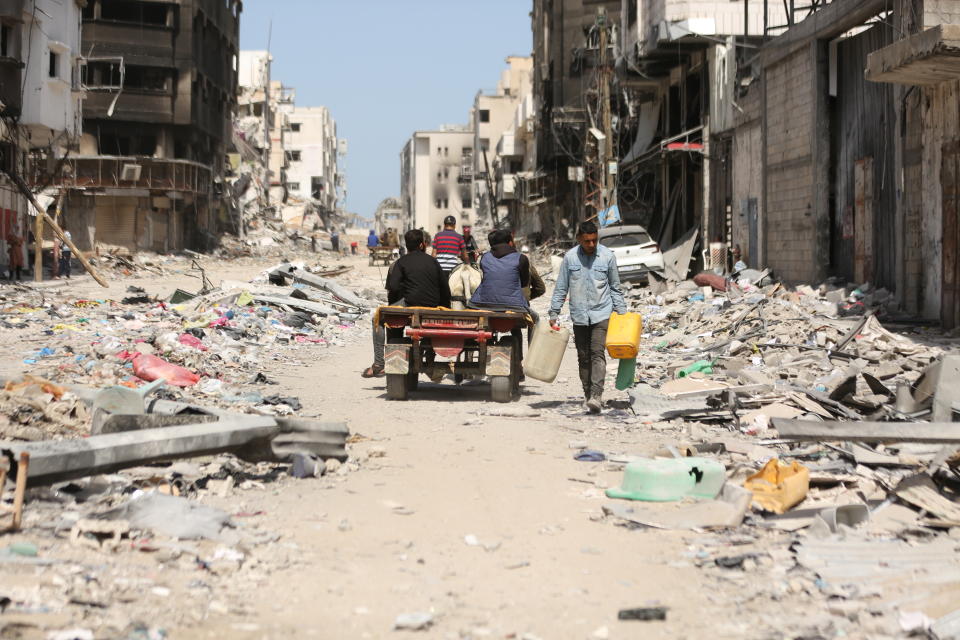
<point x="663" y="480"/>
<point x="777" y="487"/>
<point x="644" y="614"/>
<point x="413" y="621"/>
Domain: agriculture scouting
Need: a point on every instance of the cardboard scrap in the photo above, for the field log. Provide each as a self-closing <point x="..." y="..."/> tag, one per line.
<point x="726" y="511"/>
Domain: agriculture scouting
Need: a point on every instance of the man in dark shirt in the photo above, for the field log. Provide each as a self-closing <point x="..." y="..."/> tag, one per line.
<point x="414" y="280"/>
<point x="470" y="244"/>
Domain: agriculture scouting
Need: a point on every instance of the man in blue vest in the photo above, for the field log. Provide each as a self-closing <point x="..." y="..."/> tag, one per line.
<point x="506" y="272"/>
<point x="589" y="275"/>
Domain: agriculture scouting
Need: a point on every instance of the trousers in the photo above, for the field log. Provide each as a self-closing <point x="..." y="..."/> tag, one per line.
<point x="380" y="338"/>
<point x="590" y="340"/>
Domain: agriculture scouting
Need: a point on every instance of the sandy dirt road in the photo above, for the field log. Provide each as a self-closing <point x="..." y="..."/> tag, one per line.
<point x="486" y="523"/>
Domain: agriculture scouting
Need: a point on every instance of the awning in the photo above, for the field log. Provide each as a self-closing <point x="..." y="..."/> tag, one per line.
<point x="926" y="58"/>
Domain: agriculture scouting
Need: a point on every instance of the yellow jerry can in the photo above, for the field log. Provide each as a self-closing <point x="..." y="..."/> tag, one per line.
<point x="623" y="335"/>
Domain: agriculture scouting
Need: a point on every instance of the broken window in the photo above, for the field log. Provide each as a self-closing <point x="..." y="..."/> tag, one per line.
<point x="294" y="156"/>
<point x="119" y="144"/>
<point x="294" y="126"/>
<point x="54" y="64"/>
<point x="484" y="115"/>
<point x="6" y="48"/>
<point x="147" y="13"/>
<point x="484" y="144"/>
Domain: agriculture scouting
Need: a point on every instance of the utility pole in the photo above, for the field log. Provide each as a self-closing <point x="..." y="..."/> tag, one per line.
<point x="599" y="148"/>
<point x="608" y="197"/>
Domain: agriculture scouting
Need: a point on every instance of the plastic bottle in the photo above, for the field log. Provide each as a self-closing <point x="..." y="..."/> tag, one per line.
<point x="545" y="354"/>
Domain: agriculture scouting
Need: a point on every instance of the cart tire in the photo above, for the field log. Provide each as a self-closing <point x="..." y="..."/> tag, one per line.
<point x="413" y="379"/>
<point x="397" y="386"/>
<point x="501" y="389"/>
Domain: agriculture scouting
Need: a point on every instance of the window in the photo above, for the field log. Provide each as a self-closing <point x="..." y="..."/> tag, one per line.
<point x="446" y="151"/>
<point x="446" y="173"/>
<point x="439" y="151"/>
<point x="147" y="13"/>
<point x="484" y="144"/>
<point x="465" y="202"/>
<point x="54" y="64"/>
<point x="294" y="126"/>
<point x="446" y="203"/>
<point x="438" y="201"/>
<point x="294" y="156"/>
<point x="484" y="115"/>
<point x="626" y="240"/>
<point x="293" y="186"/>
<point x="5" y="44"/>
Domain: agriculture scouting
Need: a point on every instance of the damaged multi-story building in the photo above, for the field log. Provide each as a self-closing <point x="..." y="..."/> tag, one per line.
<point x="39" y="99"/>
<point x="496" y="158"/>
<point x="160" y="81"/>
<point x="437" y="171"/>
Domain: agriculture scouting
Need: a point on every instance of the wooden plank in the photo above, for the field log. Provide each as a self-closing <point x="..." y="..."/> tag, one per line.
<point x="920" y="491"/>
<point x="863" y="220"/>
<point x="935" y="432"/>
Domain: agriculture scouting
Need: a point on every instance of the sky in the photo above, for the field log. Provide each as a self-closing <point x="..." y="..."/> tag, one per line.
<point x="386" y="68"/>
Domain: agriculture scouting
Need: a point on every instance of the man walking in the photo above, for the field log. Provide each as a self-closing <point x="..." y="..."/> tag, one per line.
<point x="448" y="246"/>
<point x="470" y="244"/>
<point x="589" y="275"/>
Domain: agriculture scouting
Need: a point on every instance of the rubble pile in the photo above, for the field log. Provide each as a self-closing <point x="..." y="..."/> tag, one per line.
<point x="840" y="447"/>
<point x="208" y="348"/>
<point x="159" y="546"/>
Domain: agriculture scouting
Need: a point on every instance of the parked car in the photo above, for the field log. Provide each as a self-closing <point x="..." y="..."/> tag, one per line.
<point x="637" y="253"/>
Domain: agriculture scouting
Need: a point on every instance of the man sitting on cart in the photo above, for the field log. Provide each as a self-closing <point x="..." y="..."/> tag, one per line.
<point x="414" y="280"/>
<point x="506" y="272"/>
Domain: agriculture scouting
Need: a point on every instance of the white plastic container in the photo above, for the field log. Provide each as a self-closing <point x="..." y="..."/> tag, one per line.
<point x="545" y="354"/>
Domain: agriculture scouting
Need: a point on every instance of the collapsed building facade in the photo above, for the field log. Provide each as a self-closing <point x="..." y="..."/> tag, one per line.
<point x="819" y="139"/>
<point x="160" y="81"/>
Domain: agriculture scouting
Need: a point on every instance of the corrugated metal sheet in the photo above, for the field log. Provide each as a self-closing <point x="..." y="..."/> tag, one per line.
<point x="117" y="221"/>
<point x="862" y="131"/>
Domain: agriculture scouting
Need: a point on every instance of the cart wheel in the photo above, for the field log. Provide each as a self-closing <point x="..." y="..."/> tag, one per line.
<point x="413" y="379"/>
<point x="397" y="386"/>
<point x="500" y="389"/>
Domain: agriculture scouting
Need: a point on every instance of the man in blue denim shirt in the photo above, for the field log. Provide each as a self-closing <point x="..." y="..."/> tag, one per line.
<point x="589" y="274"/>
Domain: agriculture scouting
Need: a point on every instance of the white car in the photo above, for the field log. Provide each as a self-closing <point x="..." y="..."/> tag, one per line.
<point x="637" y="253"/>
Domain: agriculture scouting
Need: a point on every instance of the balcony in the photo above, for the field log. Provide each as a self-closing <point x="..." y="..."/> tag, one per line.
<point x="155" y="174"/>
<point x="10" y="79"/>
